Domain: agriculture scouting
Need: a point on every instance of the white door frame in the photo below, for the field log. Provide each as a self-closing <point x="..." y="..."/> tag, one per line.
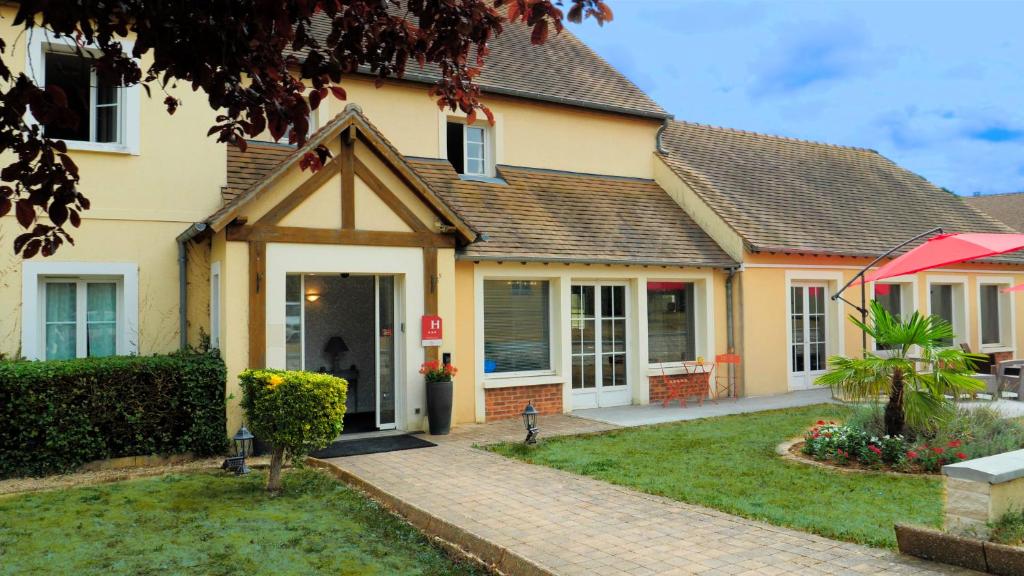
<point x="396" y="361"/>
<point x="834" y="341"/>
<point x="598" y="396"/>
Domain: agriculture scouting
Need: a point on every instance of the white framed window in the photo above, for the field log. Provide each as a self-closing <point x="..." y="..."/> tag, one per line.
<point x="79" y="310"/>
<point x="947" y="299"/>
<point x="671" y="322"/>
<point x="470" y="148"/>
<point x="517" y="327"/>
<point x="108" y="114"/>
<point x="215" y="305"/>
<point x="995" y="314"/>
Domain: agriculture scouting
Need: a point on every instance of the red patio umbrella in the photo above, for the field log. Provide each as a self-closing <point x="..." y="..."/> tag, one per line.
<point x="946" y="249"/>
<point x="1016" y="288"/>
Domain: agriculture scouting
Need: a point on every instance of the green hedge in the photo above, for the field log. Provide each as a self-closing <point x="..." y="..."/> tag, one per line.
<point x="56" y="415"/>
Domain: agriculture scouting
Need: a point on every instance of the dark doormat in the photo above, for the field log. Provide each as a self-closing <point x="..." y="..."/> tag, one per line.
<point x="343" y="448"/>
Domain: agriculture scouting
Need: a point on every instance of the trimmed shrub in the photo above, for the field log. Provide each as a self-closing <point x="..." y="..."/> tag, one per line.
<point x="56" y="415"/>
<point x="294" y="411"/>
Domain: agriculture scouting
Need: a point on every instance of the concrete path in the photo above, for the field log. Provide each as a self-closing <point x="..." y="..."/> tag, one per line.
<point x="642" y="415"/>
<point x="531" y="520"/>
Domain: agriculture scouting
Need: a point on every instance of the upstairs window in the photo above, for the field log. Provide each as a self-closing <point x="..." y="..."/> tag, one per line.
<point x="469" y="149"/>
<point x="96" y="102"/>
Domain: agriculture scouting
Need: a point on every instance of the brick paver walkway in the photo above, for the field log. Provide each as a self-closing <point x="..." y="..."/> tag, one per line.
<point x="561" y="523"/>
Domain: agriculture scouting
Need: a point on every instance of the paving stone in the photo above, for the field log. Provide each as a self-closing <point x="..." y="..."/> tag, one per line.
<point x="570" y="525"/>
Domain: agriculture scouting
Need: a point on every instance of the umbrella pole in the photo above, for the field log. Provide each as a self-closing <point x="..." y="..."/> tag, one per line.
<point x="863" y="288"/>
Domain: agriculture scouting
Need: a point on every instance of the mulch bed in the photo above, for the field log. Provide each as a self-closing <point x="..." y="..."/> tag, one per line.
<point x="23" y="485"/>
<point x="853" y="466"/>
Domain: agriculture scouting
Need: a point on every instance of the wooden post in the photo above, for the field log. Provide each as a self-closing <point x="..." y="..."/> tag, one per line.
<point x="430" y="306"/>
<point x="257" y="304"/>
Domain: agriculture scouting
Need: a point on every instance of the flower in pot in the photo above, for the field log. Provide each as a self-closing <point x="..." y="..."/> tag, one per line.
<point x="438" y="379"/>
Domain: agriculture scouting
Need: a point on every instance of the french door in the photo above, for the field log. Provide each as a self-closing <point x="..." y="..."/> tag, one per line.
<point x="808" y="323"/>
<point x="599" y="323"/>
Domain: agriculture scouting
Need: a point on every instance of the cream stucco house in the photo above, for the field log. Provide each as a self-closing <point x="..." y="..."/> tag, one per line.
<point x="575" y="250"/>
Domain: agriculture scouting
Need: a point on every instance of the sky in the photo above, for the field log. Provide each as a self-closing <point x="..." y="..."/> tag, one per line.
<point x="938" y="87"/>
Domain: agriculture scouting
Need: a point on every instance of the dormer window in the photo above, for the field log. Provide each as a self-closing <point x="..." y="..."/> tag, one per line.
<point x="469" y="149"/>
<point x="96" y="102"/>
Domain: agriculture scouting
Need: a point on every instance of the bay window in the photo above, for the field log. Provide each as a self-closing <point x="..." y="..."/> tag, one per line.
<point x="517" y="326"/>
<point x="671" y="322"/>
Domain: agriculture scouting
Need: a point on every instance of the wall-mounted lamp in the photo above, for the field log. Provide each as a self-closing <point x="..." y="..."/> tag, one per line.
<point x="312" y="297"/>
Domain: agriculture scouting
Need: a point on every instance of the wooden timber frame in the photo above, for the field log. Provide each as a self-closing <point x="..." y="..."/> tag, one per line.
<point x="351" y="127"/>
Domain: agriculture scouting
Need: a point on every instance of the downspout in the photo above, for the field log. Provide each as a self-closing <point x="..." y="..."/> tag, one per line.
<point x="730" y="336"/>
<point x="183" y="239"/>
<point x="658" y="145"/>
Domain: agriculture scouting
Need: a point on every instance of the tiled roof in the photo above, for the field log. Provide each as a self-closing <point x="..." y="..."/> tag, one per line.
<point x="563" y="70"/>
<point x="1007" y="208"/>
<point x="249" y="167"/>
<point x="787" y="195"/>
<point x="554" y="216"/>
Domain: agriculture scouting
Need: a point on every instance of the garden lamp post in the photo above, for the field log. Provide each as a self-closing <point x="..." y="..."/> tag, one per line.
<point x="243" y="447"/>
<point x="530" y="422"/>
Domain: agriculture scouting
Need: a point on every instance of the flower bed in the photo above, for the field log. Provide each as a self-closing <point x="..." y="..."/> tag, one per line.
<point x="850" y="446"/>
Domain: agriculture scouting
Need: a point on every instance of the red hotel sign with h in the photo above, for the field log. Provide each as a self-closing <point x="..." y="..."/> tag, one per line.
<point x="432" y="332"/>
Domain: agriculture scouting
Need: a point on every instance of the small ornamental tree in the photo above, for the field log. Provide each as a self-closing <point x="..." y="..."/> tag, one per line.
<point x="918" y="370"/>
<point x="293" y="411"/>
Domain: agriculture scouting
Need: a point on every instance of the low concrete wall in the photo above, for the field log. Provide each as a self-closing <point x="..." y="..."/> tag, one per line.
<point x="981" y="490"/>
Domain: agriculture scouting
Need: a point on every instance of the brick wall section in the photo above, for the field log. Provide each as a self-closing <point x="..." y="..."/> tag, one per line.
<point x="695" y="386"/>
<point x="998" y="357"/>
<point x="504" y="403"/>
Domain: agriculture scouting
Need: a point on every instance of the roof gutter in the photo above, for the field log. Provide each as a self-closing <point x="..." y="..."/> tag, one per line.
<point x="189" y="234"/>
<point x="590" y="261"/>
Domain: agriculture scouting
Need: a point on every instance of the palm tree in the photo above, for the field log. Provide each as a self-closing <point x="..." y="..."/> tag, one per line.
<point x="917" y="371"/>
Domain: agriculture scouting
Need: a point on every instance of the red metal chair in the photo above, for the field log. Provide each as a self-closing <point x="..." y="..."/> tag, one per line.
<point x="723" y="361"/>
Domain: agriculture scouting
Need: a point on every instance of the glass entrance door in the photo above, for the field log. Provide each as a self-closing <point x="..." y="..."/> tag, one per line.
<point x="599" y="326"/>
<point x="808" y="319"/>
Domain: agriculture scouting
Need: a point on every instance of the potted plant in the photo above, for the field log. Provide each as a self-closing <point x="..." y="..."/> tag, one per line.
<point x="438" y="377"/>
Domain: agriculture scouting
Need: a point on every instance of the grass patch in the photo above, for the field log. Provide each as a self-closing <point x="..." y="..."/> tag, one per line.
<point x="1009" y="529"/>
<point x="729" y="463"/>
<point x="212" y="523"/>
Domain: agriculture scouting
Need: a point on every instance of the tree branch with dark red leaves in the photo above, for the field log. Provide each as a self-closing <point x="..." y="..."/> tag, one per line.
<point x="259" y="63"/>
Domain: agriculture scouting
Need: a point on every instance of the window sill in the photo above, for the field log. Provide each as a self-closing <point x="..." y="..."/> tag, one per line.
<point x="990" y="348"/>
<point x="482" y="178"/>
<point x="105" y="147"/>
<point x="675" y="369"/>
<point x="512" y="381"/>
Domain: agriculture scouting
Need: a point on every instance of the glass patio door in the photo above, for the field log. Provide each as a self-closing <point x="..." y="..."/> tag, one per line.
<point x="599" y="326"/>
<point x="808" y="334"/>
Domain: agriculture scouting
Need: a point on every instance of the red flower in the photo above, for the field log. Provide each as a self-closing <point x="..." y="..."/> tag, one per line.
<point x="828" y="434"/>
<point x="816" y="435"/>
<point x="954" y="444"/>
<point x="831" y="421"/>
<point x="875" y="449"/>
<point x="961" y="455"/>
<point x="937" y="450"/>
<point x="821" y="422"/>
<point x="911" y="454"/>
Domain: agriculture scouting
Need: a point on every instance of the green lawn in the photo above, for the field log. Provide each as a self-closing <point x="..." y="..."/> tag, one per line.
<point x="729" y="463"/>
<point x="211" y="524"/>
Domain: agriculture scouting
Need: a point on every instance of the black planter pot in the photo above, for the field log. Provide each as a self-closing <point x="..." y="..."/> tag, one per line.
<point x="439" y="407"/>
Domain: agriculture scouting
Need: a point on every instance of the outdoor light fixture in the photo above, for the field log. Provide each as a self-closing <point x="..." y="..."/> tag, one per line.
<point x="312" y="297"/>
<point x="243" y="447"/>
<point x="530" y="421"/>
